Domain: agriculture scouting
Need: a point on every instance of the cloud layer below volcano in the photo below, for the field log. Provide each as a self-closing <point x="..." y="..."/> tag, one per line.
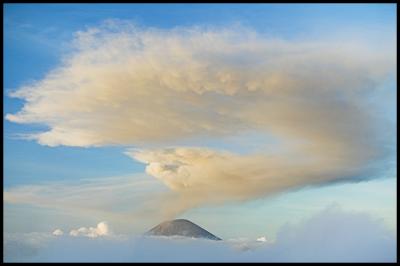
<point x="331" y="235"/>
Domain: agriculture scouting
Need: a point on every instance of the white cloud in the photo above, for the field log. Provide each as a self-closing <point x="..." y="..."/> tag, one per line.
<point x="58" y="232"/>
<point x="262" y="239"/>
<point x="101" y="230"/>
<point x="332" y="235"/>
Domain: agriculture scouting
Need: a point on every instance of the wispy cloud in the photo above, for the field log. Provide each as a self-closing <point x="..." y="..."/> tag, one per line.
<point x="115" y="199"/>
<point x="51" y="37"/>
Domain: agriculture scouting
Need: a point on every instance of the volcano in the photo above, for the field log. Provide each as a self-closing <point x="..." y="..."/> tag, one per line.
<point x="181" y="227"/>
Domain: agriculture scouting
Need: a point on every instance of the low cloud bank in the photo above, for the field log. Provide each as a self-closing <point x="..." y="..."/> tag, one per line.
<point x="331" y="235"/>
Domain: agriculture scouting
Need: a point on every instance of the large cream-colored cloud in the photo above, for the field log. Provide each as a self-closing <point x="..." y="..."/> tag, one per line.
<point x="202" y="176"/>
<point x="128" y="86"/>
<point x="124" y="85"/>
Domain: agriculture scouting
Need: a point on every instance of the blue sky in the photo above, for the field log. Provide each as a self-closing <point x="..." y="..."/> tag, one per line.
<point x="37" y="35"/>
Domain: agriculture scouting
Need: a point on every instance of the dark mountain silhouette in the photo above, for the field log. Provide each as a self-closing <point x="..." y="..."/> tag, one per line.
<point x="181" y="227"/>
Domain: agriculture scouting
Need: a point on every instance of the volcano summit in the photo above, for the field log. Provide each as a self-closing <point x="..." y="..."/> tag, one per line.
<point x="181" y="227"/>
